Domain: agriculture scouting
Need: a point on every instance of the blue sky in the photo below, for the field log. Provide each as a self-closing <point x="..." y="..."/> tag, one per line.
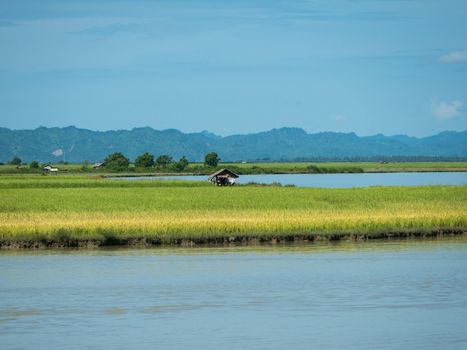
<point x="379" y="66"/>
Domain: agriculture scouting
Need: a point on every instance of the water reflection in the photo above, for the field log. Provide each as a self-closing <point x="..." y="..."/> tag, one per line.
<point x="263" y="248"/>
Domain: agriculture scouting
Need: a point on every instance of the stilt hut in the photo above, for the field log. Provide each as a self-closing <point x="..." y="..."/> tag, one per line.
<point x="223" y="177"/>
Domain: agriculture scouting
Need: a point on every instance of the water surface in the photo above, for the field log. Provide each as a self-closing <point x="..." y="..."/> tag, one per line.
<point x="341" y="180"/>
<point x="381" y="295"/>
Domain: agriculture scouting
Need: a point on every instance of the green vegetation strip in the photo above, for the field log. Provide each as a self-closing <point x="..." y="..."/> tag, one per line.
<point x="68" y="210"/>
<point x="52" y="181"/>
<point x="253" y="168"/>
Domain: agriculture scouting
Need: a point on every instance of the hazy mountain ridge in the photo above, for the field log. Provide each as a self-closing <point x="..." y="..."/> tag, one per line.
<point x="76" y="145"/>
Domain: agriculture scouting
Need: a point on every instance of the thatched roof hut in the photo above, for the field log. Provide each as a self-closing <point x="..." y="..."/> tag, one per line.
<point x="223" y="177"/>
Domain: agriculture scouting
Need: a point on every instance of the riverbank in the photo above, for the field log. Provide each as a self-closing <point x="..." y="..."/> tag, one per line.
<point x="79" y="211"/>
<point x="228" y="240"/>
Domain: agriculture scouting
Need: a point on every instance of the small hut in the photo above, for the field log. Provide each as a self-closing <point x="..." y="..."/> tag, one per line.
<point x="50" y="169"/>
<point x="223" y="177"/>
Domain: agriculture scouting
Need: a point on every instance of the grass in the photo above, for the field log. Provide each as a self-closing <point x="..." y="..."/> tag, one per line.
<point x="77" y="181"/>
<point x="81" y="208"/>
<point x="269" y="168"/>
<point x="342" y="167"/>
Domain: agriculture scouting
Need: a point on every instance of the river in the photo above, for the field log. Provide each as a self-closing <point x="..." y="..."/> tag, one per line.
<point x="369" y="295"/>
<point x="340" y="180"/>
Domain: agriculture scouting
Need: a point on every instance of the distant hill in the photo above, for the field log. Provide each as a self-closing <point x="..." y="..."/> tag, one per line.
<point x="76" y="145"/>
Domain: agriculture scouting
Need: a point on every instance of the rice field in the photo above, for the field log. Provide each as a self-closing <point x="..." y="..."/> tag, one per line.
<point x="81" y="208"/>
<point x="83" y="181"/>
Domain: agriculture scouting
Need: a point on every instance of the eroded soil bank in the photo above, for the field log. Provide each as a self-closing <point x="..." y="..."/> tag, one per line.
<point x="225" y="240"/>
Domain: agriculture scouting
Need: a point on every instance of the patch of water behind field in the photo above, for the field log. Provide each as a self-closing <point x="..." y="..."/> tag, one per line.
<point x="361" y="295"/>
<point x="338" y="180"/>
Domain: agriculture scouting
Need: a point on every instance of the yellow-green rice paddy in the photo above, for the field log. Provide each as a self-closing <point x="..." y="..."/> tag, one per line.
<point x="63" y="209"/>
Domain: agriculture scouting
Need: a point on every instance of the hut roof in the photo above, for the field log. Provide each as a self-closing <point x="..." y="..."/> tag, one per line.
<point x="223" y="172"/>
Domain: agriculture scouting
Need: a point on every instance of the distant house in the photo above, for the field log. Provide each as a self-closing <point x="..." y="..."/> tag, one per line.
<point x="223" y="177"/>
<point x="97" y="165"/>
<point x="50" y="169"/>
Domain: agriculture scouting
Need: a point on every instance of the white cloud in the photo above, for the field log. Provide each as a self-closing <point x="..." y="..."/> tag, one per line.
<point x="58" y="152"/>
<point x="447" y="110"/>
<point x="454" y="57"/>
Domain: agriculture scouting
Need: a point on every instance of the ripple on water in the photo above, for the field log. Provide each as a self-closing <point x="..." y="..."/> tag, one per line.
<point x="365" y="295"/>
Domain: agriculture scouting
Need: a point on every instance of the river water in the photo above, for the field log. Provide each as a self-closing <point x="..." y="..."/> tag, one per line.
<point x="340" y="180"/>
<point x="369" y="295"/>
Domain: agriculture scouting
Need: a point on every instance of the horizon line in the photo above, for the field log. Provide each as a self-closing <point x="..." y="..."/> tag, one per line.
<point x="230" y="135"/>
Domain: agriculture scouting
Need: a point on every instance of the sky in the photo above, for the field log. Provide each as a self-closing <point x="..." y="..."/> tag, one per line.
<point x="243" y="66"/>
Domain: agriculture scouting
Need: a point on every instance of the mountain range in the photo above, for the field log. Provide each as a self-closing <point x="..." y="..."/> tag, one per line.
<point x="72" y="144"/>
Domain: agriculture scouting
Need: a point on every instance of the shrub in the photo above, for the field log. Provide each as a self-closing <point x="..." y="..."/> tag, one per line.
<point x="181" y="165"/>
<point x="15" y="161"/>
<point x="163" y="161"/>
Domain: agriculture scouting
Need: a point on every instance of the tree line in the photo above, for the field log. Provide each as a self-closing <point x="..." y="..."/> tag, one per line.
<point x="117" y="161"/>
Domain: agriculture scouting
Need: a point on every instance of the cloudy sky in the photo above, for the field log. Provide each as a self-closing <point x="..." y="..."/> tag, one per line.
<point x="379" y="66"/>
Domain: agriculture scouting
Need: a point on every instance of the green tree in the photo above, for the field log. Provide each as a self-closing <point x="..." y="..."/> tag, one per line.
<point x="116" y="161"/>
<point x="211" y="159"/>
<point x="181" y="165"/>
<point x="163" y="161"/>
<point x="145" y="160"/>
<point x="15" y="161"/>
<point x="34" y="165"/>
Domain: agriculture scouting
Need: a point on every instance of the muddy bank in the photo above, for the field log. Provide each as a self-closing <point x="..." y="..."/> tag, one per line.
<point x="226" y="240"/>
